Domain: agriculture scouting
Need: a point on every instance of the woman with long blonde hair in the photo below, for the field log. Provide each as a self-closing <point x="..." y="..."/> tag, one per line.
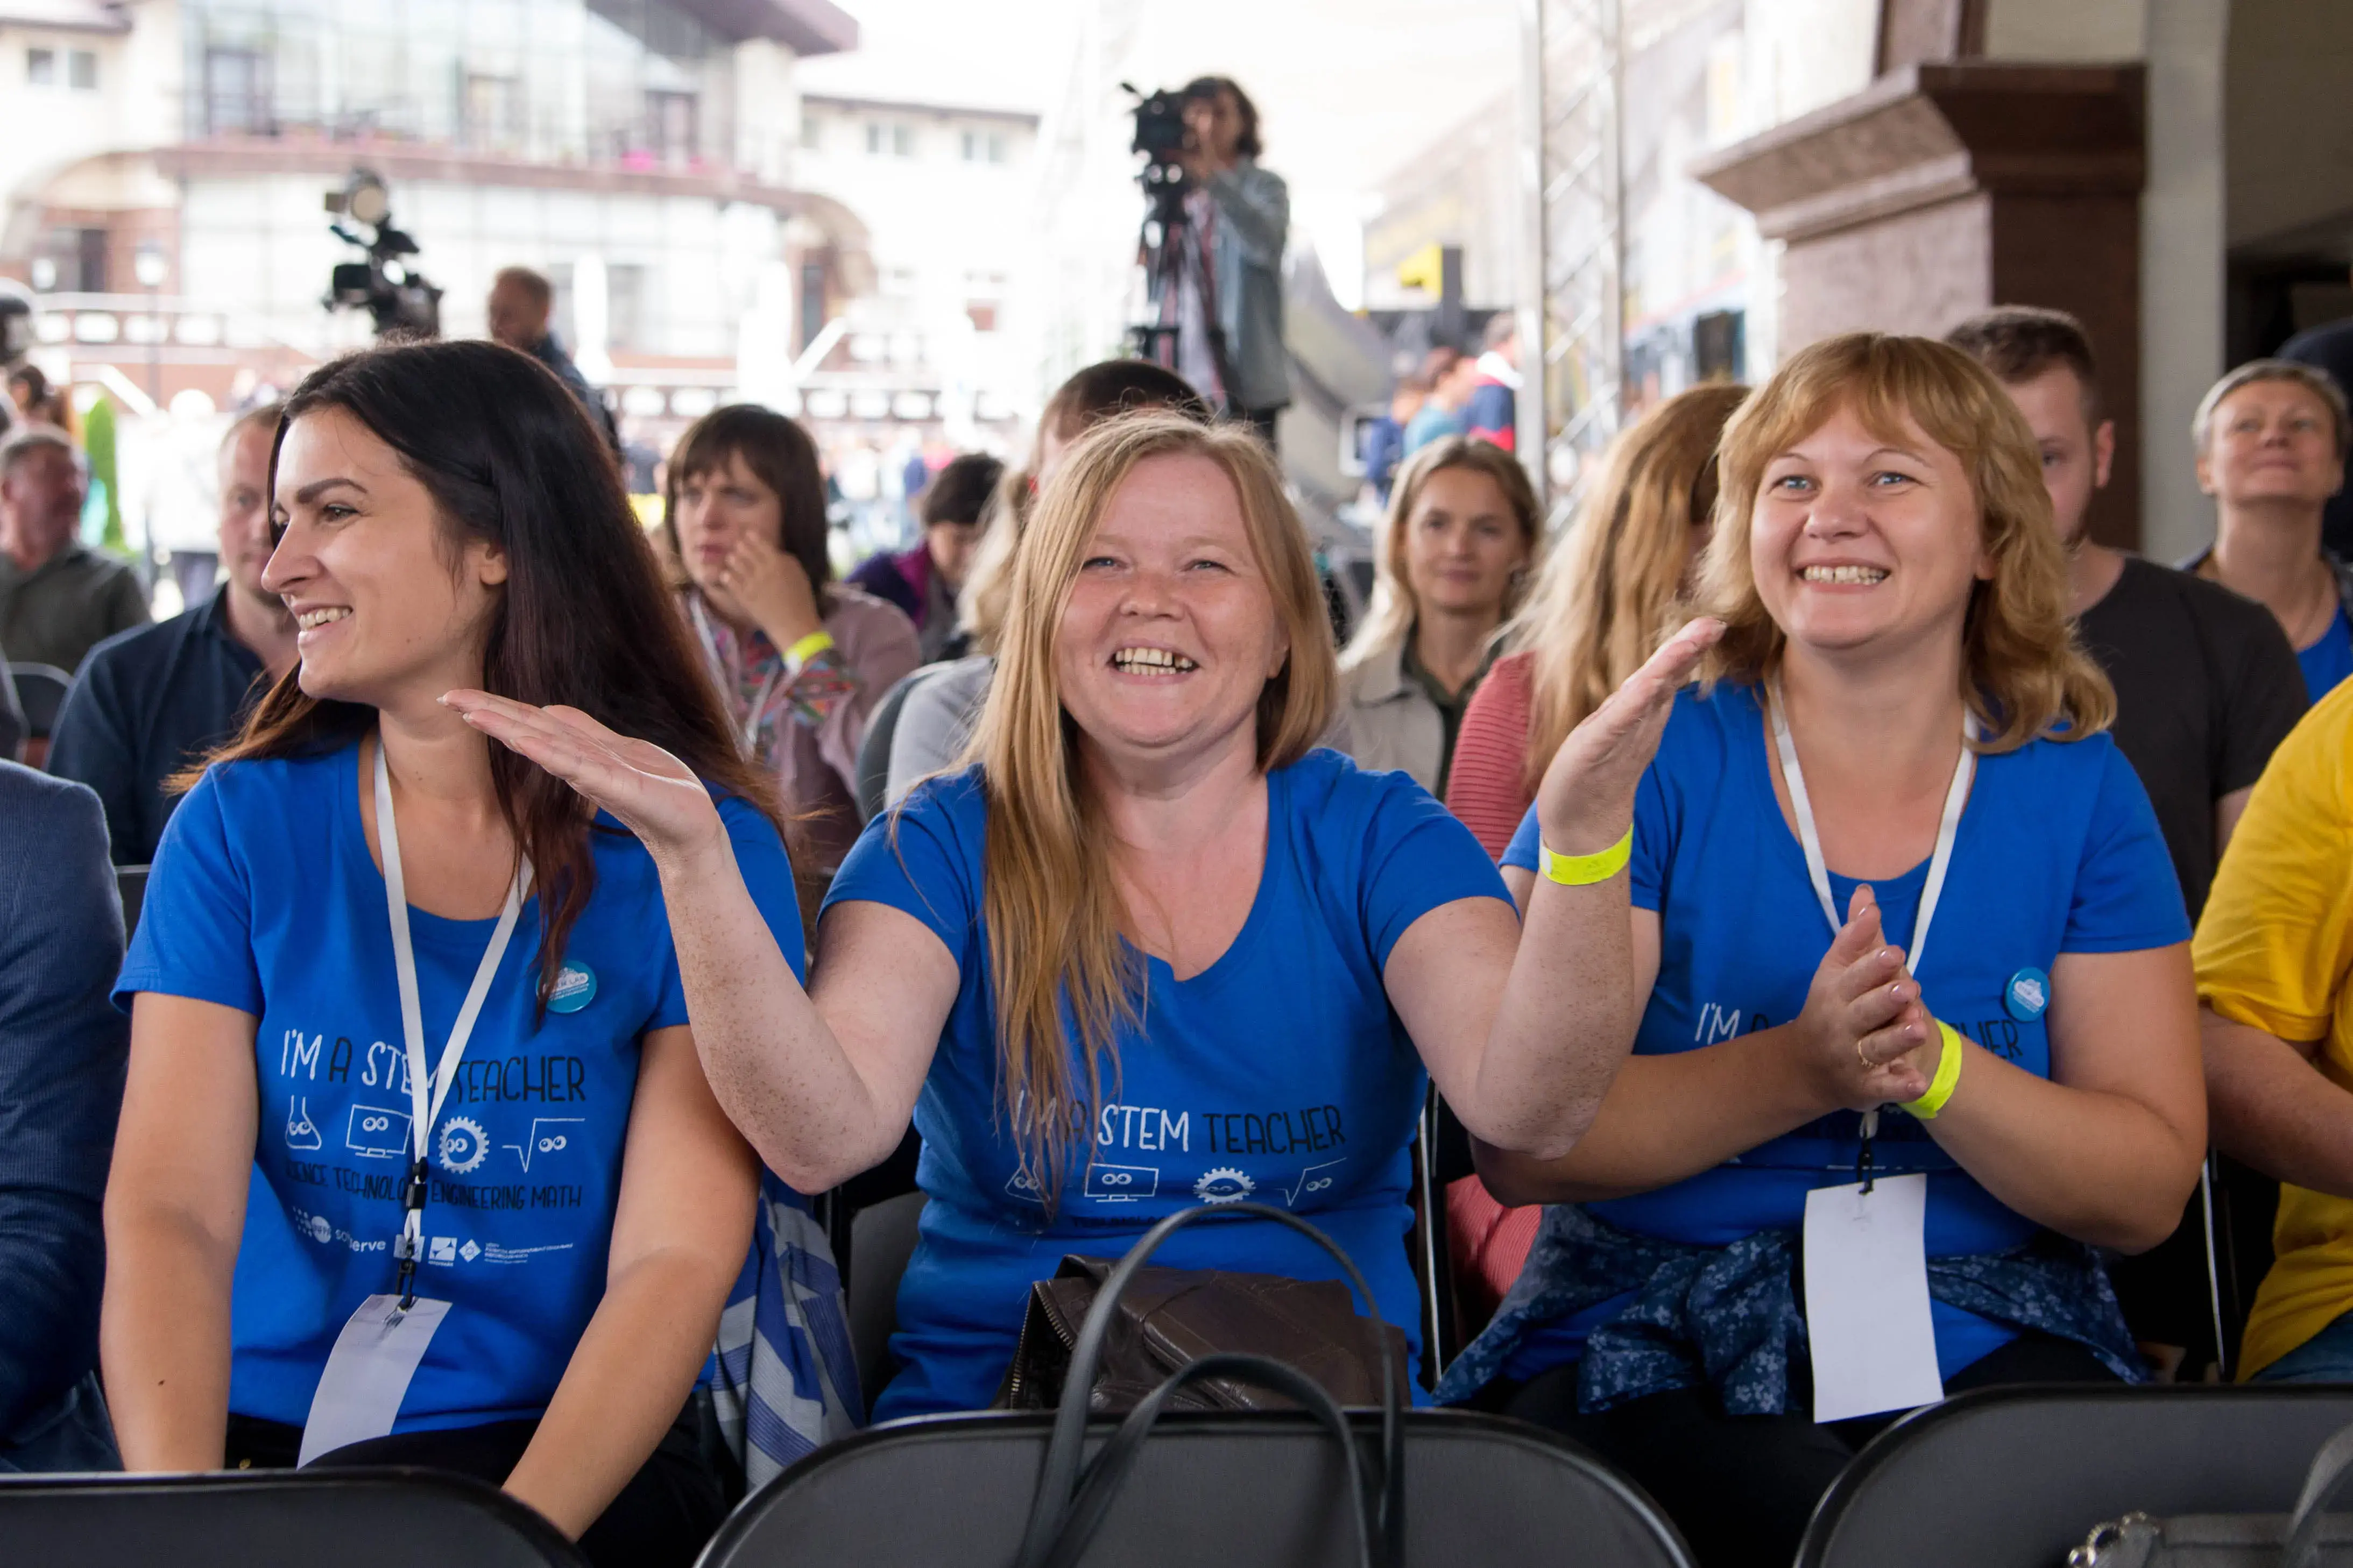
<point x="1463" y="530"/>
<point x="1602" y="604"/>
<point x="1895" y="738"/>
<point x="1154" y="948"/>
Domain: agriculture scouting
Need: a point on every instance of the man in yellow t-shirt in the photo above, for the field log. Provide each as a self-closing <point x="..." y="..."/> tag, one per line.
<point x="2274" y="956"/>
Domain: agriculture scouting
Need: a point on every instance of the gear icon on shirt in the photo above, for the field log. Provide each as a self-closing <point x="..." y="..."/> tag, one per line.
<point x="1223" y="1184"/>
<point x="463" y="1145"/>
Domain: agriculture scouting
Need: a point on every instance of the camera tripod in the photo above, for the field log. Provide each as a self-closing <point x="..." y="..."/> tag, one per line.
<point x="1172" y="256"/>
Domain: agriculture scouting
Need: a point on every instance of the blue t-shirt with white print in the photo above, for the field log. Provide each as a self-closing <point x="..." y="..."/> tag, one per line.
<point x="264" y="897"/>
<point x="1278" y="1074"/>
<point x="2058" y="851"/>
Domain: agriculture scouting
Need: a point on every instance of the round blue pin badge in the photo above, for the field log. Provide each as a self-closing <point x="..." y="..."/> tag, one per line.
<point x="2027" y="995"/>
<point x="576" y="987"/>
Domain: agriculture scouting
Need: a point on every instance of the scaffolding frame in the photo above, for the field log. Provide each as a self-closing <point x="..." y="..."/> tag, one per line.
<point x="1572" y="310"/>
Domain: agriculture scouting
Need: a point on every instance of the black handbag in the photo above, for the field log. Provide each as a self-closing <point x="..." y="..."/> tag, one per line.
<point x="2311" y="1537"/>
<point x="1169" y="1318"/>
<point x="1073" y="1496"/>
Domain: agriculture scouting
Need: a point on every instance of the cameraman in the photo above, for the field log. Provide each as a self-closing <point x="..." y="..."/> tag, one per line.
<point x="1241" y="218"/>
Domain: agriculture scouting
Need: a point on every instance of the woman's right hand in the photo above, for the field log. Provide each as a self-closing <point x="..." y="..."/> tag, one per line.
<point x="1865" y="1028"/>
<point x="655" y="796"/>
<point x="1587" y="797"/>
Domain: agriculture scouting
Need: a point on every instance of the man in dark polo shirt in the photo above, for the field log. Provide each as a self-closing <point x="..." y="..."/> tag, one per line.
<point x="57" y="599"/>
<point x="149" y="702"/>
<point x="2206" y="684"/>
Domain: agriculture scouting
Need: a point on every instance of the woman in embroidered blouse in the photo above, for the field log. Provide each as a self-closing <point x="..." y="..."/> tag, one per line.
<point x="800" y="658"/>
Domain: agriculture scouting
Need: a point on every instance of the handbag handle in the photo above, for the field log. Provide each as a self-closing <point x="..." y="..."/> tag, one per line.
<point x="1058" y="1477"/>
<point x="1108" y="1474"/>
<point x="2330" y="1467"/>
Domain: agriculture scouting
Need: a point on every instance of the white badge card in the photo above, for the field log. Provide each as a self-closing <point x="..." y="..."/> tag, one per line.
<point x="368" y="1373"/>
<point x="1873" y="1341"/>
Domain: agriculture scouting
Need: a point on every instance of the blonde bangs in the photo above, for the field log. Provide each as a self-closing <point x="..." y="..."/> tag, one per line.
<point x="1065" y="978"/>
<point x="2023" y="673"/>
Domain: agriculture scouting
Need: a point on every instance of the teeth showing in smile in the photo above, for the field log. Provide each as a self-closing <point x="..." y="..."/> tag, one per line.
<point x="310" y="619"/>
<point x="1852" y="577"/>
<point x="1150" y="661"/>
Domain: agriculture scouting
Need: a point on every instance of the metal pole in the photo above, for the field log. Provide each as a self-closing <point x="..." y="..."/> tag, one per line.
<point x="1533" y="435"/>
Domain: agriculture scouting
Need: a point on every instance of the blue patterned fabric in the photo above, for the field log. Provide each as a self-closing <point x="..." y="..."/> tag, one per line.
<point x="1729" y="1318"/>
<point x="785" y="1380"/>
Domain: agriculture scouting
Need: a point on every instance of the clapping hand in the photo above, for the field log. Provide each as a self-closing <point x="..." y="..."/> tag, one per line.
<point x="1865" y="1026"/>
<point x="653" y="794"/>
<point x="1587" y="797"/>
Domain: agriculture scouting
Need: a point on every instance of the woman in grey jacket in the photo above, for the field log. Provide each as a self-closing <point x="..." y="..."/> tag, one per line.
<point x="1462" y="537"/>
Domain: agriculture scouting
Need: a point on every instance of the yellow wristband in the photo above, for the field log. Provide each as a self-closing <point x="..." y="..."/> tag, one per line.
<point x="807" y="648"/>
<point x="1949" y="1074"/>
<point x="1584" y="870"/>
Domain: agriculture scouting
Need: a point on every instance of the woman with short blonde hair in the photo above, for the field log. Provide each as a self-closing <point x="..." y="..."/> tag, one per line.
<point x="1154" y="948"/>
<point x="1895" y="738"/>
<point x="1462" y="532"/>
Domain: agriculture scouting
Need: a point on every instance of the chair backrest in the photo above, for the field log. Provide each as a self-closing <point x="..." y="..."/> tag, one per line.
<point x="881" y="1239"/>
<point x="40" y="692"/>
<point x="285" y="1519"/>
<point x="1257" y="1489"/>
<point x="131" y="885"/>
<point x="874" y="751"/>
<point x="2014" y="1477"/>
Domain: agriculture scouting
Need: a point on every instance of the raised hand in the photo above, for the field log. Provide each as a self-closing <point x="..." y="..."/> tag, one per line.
<point x="1865" y="1028"/>
<point x="655" y="796"/>
<point x="1587" y="797"/>
<point x="774" y="587"/>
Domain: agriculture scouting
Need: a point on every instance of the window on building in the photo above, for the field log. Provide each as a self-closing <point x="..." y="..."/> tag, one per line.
<point x="81" y="70"/>
<point x="812" y="133"/>
<point x="893" y="139"/>
<point x="237" y="92"/>
<point x="672" y="125"/>
<point x="984" y="146"/>
<point x="41" y="67"/>
<point x="902" y="140"/>
<point x="493" y="114"/>
<point x="73" y="259"/>
<point x="625" y="307"/>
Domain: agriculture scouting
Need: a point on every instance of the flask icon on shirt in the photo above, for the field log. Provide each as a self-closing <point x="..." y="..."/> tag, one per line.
<point x="301" y="1133"/>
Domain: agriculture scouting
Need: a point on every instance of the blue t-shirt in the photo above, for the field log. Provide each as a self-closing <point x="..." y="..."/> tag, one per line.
<point x="1278" y="1074"/>
<point x="264" y="897"/>
<point x="2058" y="851"/>
<point x="2330" y="661"/>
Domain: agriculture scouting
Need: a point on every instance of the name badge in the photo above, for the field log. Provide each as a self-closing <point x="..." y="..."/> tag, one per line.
<point x="1867" y="1319"/>
<point x="368" y="1373"/>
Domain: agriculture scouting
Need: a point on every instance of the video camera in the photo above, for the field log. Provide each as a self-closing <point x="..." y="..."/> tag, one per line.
<point x="396" y="297"/>
<point x="1161" y="137"/>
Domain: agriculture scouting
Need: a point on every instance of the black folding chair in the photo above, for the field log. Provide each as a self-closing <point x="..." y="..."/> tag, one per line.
<point x="284" y="1518"/>
<point x="40" y="692"/>
<point x="883" y="1238"/>
<point x="131" y="885"/>
<point x="2015" y="1478"/>
<point x="1259" y="1490"/>
<point x="874" y="750"/>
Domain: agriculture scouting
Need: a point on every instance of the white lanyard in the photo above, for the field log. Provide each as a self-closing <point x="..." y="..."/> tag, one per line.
<point x="427" y="1094"/>
<point x="750" y="736"/>
<point x="1948" y="828"/>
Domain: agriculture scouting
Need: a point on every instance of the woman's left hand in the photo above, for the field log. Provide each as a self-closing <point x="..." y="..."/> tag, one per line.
<point x="655" y="796"/>
<point x="774" y="587"/>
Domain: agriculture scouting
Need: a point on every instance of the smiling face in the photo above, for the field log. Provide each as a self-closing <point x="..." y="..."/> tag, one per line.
<point x="1860" y="539"/>
<point x="364" y="564"/>
<point x="1462" y="545"/>
<point x="245" y="542"/>
<point x="2271" y="441"/>
<point x="717" y="507"/>
<point x="1170" y="632"/>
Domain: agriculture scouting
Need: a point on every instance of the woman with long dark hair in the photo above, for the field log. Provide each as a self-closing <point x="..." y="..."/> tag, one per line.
<point x="418" y="1163"/>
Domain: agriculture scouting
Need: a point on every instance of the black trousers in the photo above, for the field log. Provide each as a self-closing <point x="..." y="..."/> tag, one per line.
<point x="1741" y="1488"/>
<point x="661" y="1520"/>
